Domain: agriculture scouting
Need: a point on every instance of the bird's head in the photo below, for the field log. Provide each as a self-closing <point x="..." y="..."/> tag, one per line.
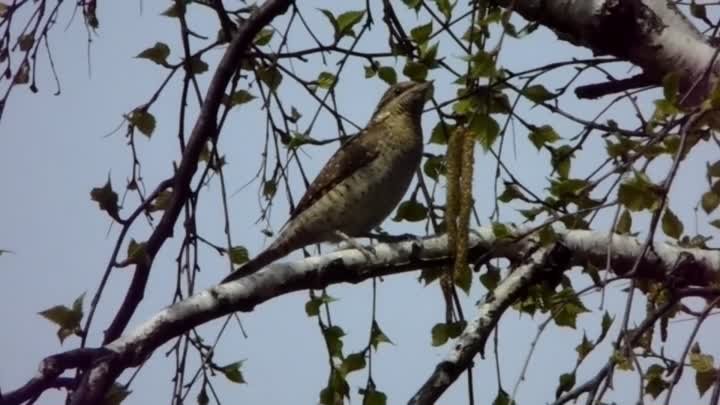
<point x="403" y="98"/>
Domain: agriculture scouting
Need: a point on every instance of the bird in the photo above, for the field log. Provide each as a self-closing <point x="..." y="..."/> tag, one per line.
<point x="360" y="184"/>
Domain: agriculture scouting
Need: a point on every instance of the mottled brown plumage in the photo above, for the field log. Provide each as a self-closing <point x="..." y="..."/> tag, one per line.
<point x="361" y="183"/>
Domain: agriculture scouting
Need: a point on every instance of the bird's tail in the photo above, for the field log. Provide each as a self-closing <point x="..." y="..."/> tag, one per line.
<point x="288" y="241"/>
<point x="268" y="256"/>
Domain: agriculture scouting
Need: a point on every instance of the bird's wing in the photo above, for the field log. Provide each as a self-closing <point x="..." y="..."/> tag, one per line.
<point x="351" y="156"/>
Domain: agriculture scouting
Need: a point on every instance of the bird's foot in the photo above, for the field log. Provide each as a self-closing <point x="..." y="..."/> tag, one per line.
<point x="367" y="251"/>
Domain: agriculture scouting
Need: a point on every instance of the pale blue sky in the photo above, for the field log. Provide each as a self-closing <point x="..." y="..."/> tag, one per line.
<point x="54" y="149"/>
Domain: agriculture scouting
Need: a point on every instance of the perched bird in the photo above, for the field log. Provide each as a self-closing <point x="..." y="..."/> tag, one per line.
<point x="361" y="183"/>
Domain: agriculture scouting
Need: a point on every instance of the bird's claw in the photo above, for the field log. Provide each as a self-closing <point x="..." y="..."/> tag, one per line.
<point x="367" y="251"/>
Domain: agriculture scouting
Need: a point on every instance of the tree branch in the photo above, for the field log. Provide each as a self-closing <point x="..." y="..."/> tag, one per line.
<point x="205" y="129"/>
<point x="94" y="384"/>
<point x="543" y="264"/>
<point x="652" y="34"/>
<point x="696" y="267"/>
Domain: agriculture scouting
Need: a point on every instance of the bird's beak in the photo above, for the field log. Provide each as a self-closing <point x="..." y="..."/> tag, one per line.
<point x="426" y="88"/>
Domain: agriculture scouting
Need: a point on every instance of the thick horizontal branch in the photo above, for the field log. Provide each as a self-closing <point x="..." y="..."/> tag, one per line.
<point x="695" y="267"/>
<point x="652" y="34"/>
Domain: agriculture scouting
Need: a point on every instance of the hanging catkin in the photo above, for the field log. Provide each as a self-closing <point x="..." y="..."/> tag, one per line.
<point x="452" y="205"/>
<point x="465" y="201"/>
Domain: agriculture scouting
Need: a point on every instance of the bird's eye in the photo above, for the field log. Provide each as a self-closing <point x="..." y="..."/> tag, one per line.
<point x="398" y="91"/>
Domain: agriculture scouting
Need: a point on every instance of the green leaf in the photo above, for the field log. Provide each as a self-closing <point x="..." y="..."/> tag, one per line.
<point x="370" y="71"/>
<point x="387" y="74"/>
<point x="510" y="193"/>
<point x="68" y="319"/>
<point x="294" y="115"/>
<point x="714" y="169"/>
<point x="331" y="17"/>
<point x="415" y="71"/>
<point x="336" y="391"/>
<point x="483" y="65"/>
<point x="567" y="381"/>
<point x="232" y="372"/>
<point x="414" y="5"/>
<point x="346" y="21"/>
<point x="158" y="53"/>
<point x="440" y="133"/>
<point x="434" y="167"/>
<point x="312" y="307"/>
<point x="485" y="129"/>
<point x="569" y="189"/>
<point x="197" y="65"/>
<point x="326" y="80"/>
<point x="624" y="223"/>
<point x="374" y="397"/>
<point x="135" y="251"/>
<point x="532" y="213"/>
<point x="411" y="211"/>
<point x="421" y="33"/>
<point x="623" y="363"/>
<point x="353" y="362"/>
<point x="639" y="193"/>
<point x="538" y="93"/>
<point x="442" y="332"/>
<point x="543" y="135"/>
<point x="503" y="398"/>
<point x="271" y="76"/>
<point x="377" y="336"/>
<point x="445" y="8"/>
<point x="547" y="235"/>
<point x="439" y="334"/>
<point x="584" y="348"/>
<point x="239" y="97"/>
<point x="702" y="363"/>
<point x="562" y="160"/>
<point x="23" y="74"/>
<point x="715" y="223"/>
<point x="500" y="230"/>
<point x="176" y="9"/>
<point x="26" y="41"/>
<point x="428" y="55"/>
<point x="705" y="380"/>
<point x="264" y="36"/>
<point x="162" y="201"/>
<point x="655" y="384"/>
<point x="664" y="109"/>
<point x="202" y="397"/>
<point x="333" y="339"/>
<point x="143" y="121"/>
<point x="107" y="199"/>
<point x="710" y="201"/>
<point x="269" y="189"/>
<point x="698" y="11"/>
<point x="239" y="255"/>
<point x="566" y="307"/>
<point x="671" y="84"/>
<point x="607" y="321"/>
<point x="490" y="279"/>
<point x="671" y="225"/>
